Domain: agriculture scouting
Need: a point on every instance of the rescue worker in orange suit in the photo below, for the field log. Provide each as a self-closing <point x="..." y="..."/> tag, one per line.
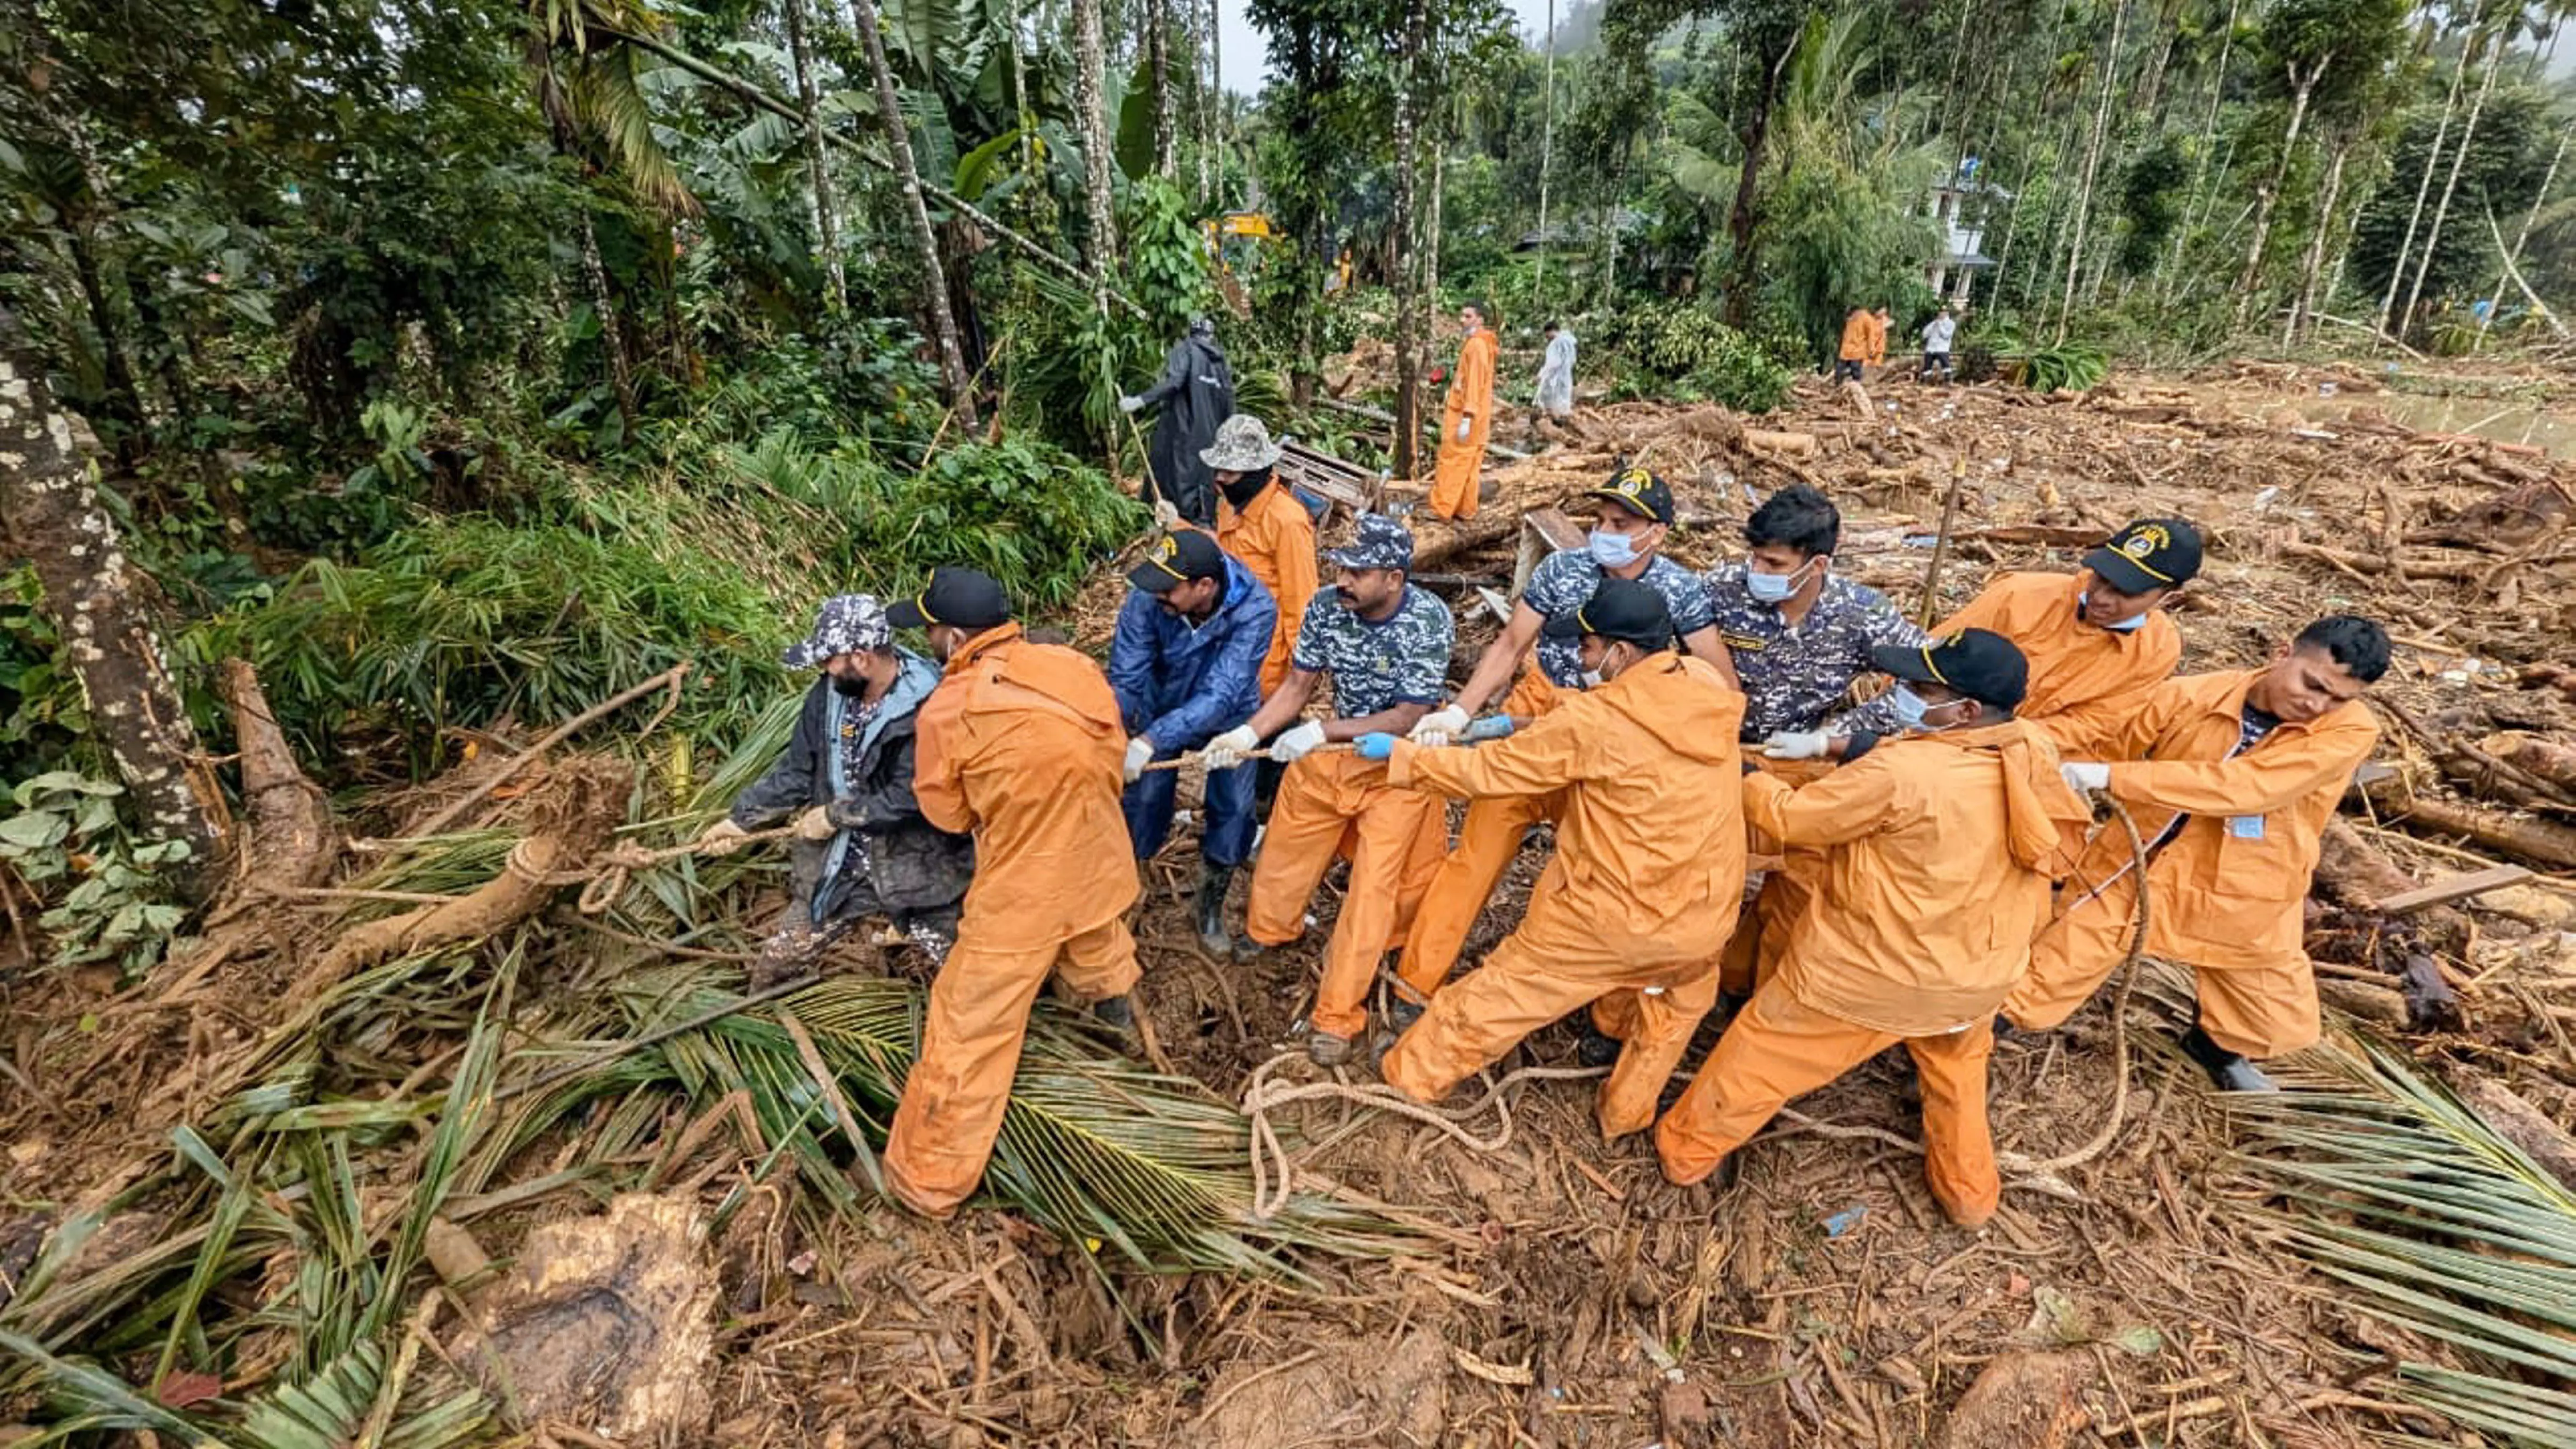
<point x="2098" y="642"/>
<point x="1386" y="644"/>
<point x="1940" y="847"/>
<point x="1020" y="744"/>
<point x="1636" y="513"/>
<point x="2231" y="778"/>
<point x="1853" y="355"/>
<point x="1261" y="523"/>
<point x="1466" y="421"/>
<point x="1649" y="867"/>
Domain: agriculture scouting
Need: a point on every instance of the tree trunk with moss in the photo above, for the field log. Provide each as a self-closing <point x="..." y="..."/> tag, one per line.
<point x="934" y="280"/>
<point x="1100" y="248"/>
<point x="53" y="517"/>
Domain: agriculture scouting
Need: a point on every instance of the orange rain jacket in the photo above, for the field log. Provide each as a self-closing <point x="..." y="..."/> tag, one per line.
<point x="1003" y="745"/>
<point x="1939" y="853"/>
<point x="1471" y="395"/>
<point x="1858" y="330"/>
<point x="1275" y="540"/>
<point x="1649" y="859"/>
<point x="2229" y="887"/>
<point x="2085" y="682"/>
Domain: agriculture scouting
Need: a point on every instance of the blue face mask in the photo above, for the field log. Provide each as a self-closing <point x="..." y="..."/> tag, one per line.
<point x="2125" y="626"/>
<point x="1612" y="550"/>
<point x="1774" y="588"/>
<point x="1909" y="707"/>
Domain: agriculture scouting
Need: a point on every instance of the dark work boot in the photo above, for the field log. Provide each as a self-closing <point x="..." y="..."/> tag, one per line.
<point x="1402" y="1014"/>
<point x="1207" y="910"/>
<point x="2230" y="1071"/>
<point x="1598" y="1048"/>
<point x="1118" y="1013"/>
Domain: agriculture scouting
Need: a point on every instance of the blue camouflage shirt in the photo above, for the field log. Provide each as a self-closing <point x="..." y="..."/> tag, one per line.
<point x="1566" y="580"/>
<point x="1403" y="659"/>
<point x="1795" y="674"/>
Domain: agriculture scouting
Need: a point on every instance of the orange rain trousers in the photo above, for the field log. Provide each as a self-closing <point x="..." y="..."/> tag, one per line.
<point x="1333" y="804"/>
<point x="1488" y="840"/>
<point x="970" y="1049"/>
<point x="1779" y="1049"/>
<point x="1753" y="954"/>
<point x="2257" y="1011"/>
<point x="1471" y="396"/>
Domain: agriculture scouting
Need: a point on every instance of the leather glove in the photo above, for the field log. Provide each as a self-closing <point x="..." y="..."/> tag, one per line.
<point x="2085" y="778"/>
<point x="722" y="838"/>
<point x="816" y="824"/>
<point x="1438" y="727"/>
<point x="1795" y="745"/>
<point x="1130" y="403"/>
<point x="1377" y="746"/>
<point x="1227" y="750"/>
<point x="1140" y="752"/>
<point x="1491" y="727"/>
<point x="1465" y="427"/>
<point x="1297" y="741"/>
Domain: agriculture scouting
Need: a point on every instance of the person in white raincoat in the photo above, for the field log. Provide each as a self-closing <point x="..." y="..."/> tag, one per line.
<point x="1556" y="374"/>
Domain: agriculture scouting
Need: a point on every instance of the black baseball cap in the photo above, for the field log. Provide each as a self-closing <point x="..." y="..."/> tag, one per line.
<point x="1979" y="663"/>
<point x="1638" y="491"/>
<point x="962" y="598"/>
<point x="1619" y="609"/>
<point x="1178" y="557"/>
<point x="2151" y="553"/>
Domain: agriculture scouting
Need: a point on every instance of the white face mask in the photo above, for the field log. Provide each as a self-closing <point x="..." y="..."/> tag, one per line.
<point x="1592" y="679"/>
<point x="2125" y="626"/>
<point x="1612" y="550"/>
<point x="1775" y="588"/>
<point x="1910" y="711"/>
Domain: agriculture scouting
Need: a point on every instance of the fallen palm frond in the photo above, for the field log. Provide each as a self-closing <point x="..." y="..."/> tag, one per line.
<point x="2441" y="1226"/>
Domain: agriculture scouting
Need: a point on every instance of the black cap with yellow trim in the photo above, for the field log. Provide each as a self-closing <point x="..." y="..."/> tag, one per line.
<point x="1619" y="609"/>
<point x="1979" y="663"/>
<point x="1638" y="491"/>
<point x="2149" y="554"/>
<point x="1178" y="557"/>
<point x="964" y="598"/>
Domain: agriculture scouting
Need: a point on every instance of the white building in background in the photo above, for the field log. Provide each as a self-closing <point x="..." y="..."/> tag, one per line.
<point x="1962" y="206"/>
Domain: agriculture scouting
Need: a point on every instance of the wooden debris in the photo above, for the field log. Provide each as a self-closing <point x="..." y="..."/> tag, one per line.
<point x="2452" y="888"/>
<point x="2541" y="842"/>
<point x="2520" y="1123"/>
<point x="1797" y="445"/>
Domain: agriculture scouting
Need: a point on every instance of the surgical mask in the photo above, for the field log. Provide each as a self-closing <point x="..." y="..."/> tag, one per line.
<point x="1613" y="550"/>
<point x="1774" y="588"/>
<point x="2125" y="626"/>
<point x="1592" y="679"/>
<point x="1909" y="707"/>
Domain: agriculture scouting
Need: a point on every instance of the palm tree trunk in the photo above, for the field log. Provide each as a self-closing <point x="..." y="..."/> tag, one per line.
<point x="1431" y="232"/>
<point x="53" y="515"/>
<point x="2305" y="307"/>
<point x="934" y="279"/>
<point x="2513" y="256"/>
<point x="1158" y="51"/>
<point x="1745" y="216"/>
<point x="2423" y="193"/>
<point x="2302" y="86"/>
<point x="827" y="226"/>
<point x="2092" y="166"/>
<point x="1100" y="243"/>
<point x="2204" y="197"/>
<point x="612" y="329"/>
<point x="2451" y="183"/>
<point x="1546" y="144"/>
<point x="1408" y="261"/>
<point x="1216" y="102"/>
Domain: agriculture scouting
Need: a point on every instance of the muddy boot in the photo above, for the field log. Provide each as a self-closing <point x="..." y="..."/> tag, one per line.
<point x="1118" y="1013"/>
<point x="2229" y="1070"/>
<point x="1402" y="1014"/>
<point x="1598" y="1048"/>
<point x="1327" y="1050"/>
<point x="1207" y="911"/>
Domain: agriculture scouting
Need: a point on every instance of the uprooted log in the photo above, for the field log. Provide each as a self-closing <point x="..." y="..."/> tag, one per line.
<point x="291" y="840"/>
<point x="2540" y="842"/>
<point x="2544" y="759"/>
<point x="2520" y="1123"/>
<point x="569" y="821"/>
<point x="2447" y="570"/>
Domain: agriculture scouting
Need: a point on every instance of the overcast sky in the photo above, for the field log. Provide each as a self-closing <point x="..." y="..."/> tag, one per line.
<point x="1241" y="49"/>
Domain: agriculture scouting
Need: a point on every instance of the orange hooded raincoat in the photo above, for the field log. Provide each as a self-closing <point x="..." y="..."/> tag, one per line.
<point x="1939" y="851"/>
<point x="1274" y="539"/>
<point x="1643" y="889"/>
<point x="1020" y="744"/>
<point x="2085" y="682"/>
<point x="2229" y="886"/>
<point x="1471" y="396"/>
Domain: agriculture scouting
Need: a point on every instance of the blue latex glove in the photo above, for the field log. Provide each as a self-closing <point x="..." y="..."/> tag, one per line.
<point x="1491" y="727"/>
<point x="1380" y="746"/>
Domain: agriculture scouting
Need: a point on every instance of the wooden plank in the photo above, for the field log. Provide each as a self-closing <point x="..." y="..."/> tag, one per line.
<point x="2453" y="888"/>
<point x="1543" y="531"/>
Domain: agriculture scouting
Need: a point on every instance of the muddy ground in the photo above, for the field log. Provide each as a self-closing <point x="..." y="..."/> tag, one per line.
<point x="1563" y="1294"/>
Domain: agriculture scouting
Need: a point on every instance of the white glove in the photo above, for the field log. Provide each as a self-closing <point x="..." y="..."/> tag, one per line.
<point x="1465" y="426"/>
<point x="1795" y="745"/>
<point x="722" y="838"/>
<point x="2084" y="779"/>
<point x="1140" y="750"/>
<point x="1130" y="403"/>
<point x="1227" y="750"/>
<point x="1296" y="742"/>
<point x="816" y="824"/>
<point x="1439" y="727"/>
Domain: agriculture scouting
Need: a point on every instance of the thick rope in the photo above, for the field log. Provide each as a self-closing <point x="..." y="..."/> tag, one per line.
<point x="603" y="884"/>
